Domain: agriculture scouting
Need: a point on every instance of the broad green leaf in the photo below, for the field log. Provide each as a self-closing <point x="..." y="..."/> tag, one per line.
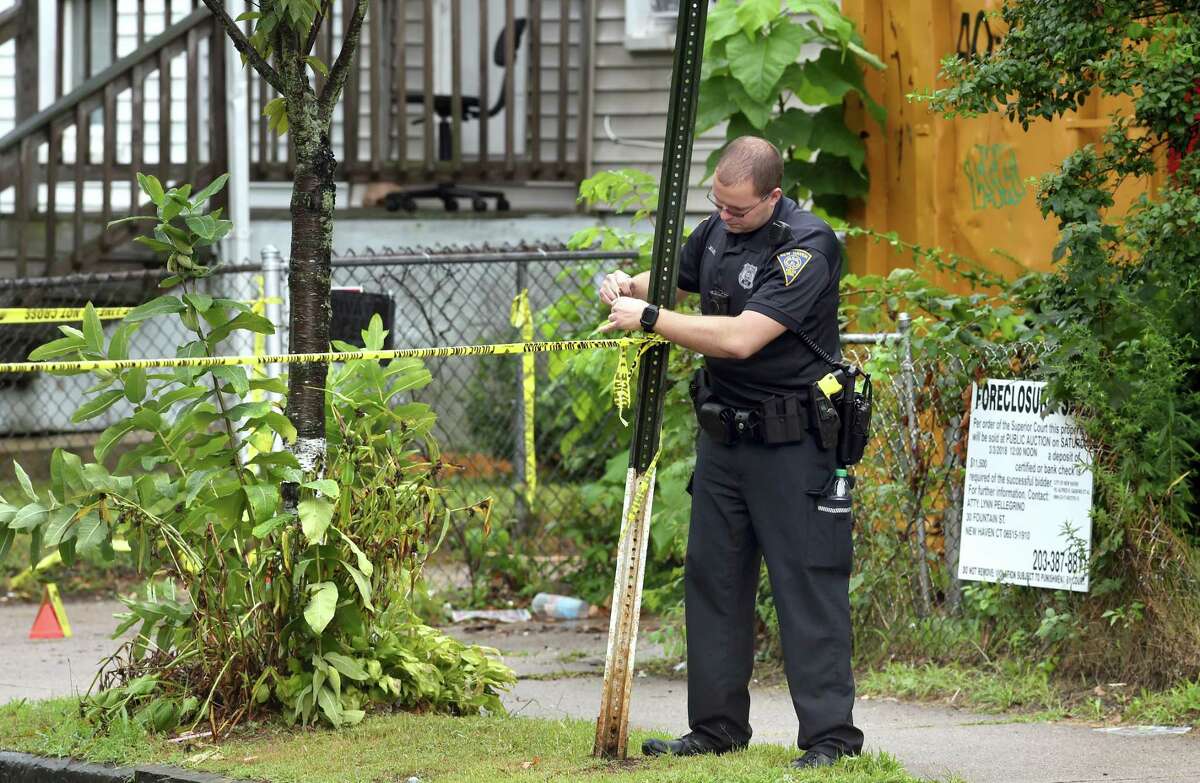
<point x="374" y="335"/>
<point x="757" y="112"/>
<point x="151" y="187"/>
<point x="364" y="563"/>
<point x="830" y="135"/>
<point x="6" y="540"/>
<point x="248" y="16"/>
<point x="157" y="245"/>
<point x="97" y="405"/>
<point x="722" y="21"/>
<point x="28" y="517"/>
<point x="322" y="603"/>
<point x="346" y="666"/>
<point x="23" y="480"/>
<point x="715" y="104"/>
<point x="91" y="531"/>
<point x="263" y="499"/>
<point x="118" y="346"/>
<point x="204" y="226"/>
<point x="753" y="15"/>
<point x="246" y="410"/>
<point x="317" y="65"/>
<point x="282" y="425"/>
<point x="362" y="583"/>
<point x="793" y="128"/>
<point x="315" y="516"/>
<point x="828" y="175"/>
<point x="163" y="305"/>
<point x="7" y="512"/>
<point x="58" y="525"/>
<point x="758" y="64"/>
<point x="330" y="705"/>
<point x="135" y="384"/>
<point x="111" y="437"/>
<point x="199" y="301"/>
<point x="248" y="321"/>
<point x="60" y="347"/>
<point x="263" y="529"/>
<point x="93" y="330"/>
<point x="327" y="487"/>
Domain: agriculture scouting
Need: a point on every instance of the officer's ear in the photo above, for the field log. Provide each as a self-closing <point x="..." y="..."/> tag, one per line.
<point x="773" y="199"/>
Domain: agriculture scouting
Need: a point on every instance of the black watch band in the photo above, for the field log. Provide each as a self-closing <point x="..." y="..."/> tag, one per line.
<point x="649" y="317"/>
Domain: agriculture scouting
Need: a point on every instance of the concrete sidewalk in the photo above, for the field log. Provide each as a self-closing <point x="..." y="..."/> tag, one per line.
<point x="561" y="666"/>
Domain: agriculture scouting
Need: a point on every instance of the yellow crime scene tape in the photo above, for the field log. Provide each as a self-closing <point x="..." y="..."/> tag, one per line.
<point x="522" y="318"/>
<point x="42" y="315"/>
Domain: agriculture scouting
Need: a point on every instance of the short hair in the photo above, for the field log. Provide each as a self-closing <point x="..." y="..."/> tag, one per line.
<point x="751" y="158"/>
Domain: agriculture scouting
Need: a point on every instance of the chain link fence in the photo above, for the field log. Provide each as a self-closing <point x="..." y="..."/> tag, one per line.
<point x="910" y="485"/>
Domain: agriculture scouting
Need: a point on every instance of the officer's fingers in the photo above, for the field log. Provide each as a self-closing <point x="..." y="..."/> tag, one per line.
<point x="625" y="286"/>
<point x="607" y="326"/>
<point x="606" y="295"/>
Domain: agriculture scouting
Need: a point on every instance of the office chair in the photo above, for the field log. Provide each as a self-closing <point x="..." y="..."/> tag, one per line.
<point x="472" y="108"/>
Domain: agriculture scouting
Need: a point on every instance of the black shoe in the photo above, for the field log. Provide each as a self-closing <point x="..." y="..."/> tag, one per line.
<point x="813" y="759"/>
<point x="687" y="745"/>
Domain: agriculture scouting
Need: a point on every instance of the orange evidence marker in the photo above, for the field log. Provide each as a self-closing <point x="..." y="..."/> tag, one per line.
<point x="51" y="621"/>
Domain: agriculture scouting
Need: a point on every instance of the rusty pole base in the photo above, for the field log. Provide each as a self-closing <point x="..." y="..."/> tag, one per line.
<point x="612" y="727"/>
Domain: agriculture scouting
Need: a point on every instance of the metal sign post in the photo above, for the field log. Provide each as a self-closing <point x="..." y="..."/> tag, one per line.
<point x="612" y="727"/>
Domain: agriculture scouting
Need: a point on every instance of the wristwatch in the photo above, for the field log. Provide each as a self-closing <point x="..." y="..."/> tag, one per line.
<point x="649" y="317"/>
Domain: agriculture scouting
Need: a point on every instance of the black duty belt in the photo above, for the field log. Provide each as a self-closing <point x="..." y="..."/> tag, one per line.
<point x="781" y="419"/>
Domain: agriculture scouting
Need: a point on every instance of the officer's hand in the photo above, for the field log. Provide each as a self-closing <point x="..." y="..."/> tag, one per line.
<point x="626" y="315"/>
<point x="616" y="284"/>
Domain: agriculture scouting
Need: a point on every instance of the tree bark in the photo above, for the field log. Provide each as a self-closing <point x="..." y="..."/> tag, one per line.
<point x="313" y="195"/>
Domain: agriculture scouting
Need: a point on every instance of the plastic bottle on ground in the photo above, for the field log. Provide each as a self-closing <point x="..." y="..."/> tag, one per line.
<point x="559" y="607"/>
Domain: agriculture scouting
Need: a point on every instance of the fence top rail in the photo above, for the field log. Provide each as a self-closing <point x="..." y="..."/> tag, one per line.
<point x="94" y="278"/>
<point x="410" y="256"/>
<point x="66" y="105"/>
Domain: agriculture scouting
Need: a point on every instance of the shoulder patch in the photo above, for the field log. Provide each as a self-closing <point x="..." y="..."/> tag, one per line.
<point x="792" y="263"/>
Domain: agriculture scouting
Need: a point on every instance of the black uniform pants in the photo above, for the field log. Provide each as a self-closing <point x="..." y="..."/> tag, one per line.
<point x="748" y="501"/>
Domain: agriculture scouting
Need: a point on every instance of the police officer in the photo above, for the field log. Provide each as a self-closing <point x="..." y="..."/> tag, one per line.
<point x="767" y="274"/>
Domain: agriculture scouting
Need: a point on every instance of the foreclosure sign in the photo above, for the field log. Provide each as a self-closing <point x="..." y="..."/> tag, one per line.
<point x="1028" y="491"/>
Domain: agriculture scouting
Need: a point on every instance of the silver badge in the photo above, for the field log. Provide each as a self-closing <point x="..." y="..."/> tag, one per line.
<point x="746" y="278"/>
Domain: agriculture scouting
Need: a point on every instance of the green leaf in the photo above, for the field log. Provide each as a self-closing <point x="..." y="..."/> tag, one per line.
<point x="199" y="301"/>
<point x="753" y="15"/>
<point x="248" y="321"/>
<point x="364" y="563"/>
<point x="830" y="135"/>
<point x="263" y="529"/>
<point x="111" y="437"/>
<point x="163" y="305"/>
<point x="758" y="113"/>
<point x="362" y="583"/>
<point x="317" y="65"/>
<point x="6" y="540"/>
<point x="263" y="499"/>
<point x="248" y="16"/>
<point x="28" y="517"/>
<point x="93" y="330"/>
<point x="210" y="190"/>
<point x="23" y="480"/>
<point x="247" y="410"/>
<point x="282" y="425"/>
<point x="758" y="64"/>
<point x="151" y="187"/>
<point x="135" y="384"/>
<point x="346" y="666"/>
<point x="722" y="21"/>
<point x="715" y="104"/>
<point x="118" y="346"/>
<point x="92" y="531"/>
<point x="322" y="604"/>
<point x="98" y="405"/>
<point x="60" y="347"/>
<point x="315" y="516"/>
<point x="793" y="128"/>
<point x="58" y="525"/>
<point x="327" y="487"/>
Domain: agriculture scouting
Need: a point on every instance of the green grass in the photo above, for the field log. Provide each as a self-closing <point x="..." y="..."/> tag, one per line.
<point x="434" y="748"/>
<point x="1010" y="686"/>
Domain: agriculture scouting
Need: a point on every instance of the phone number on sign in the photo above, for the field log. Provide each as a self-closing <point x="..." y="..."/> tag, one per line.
<point x="1070" y="560"/>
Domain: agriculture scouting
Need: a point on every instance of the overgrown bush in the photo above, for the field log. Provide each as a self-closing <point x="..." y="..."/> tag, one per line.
<point x="249" y="605"/>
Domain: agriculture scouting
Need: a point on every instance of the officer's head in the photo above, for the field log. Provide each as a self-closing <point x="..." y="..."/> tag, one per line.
<point x="746" y="184"/>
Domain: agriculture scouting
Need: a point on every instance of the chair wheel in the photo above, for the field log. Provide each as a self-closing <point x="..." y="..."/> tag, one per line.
<point x="502" y="204"/>
<point x="479" y="204"/>
<point x="392" y="202"/>
<point x="451" y="204"/>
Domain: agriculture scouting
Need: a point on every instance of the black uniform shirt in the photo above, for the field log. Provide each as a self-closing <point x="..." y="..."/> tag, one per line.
<point x="788" y="272"/>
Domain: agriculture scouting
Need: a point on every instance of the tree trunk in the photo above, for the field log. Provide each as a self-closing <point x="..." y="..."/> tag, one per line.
<point x="312" y="206"/>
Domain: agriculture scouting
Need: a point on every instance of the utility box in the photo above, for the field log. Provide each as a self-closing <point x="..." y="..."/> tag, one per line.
<point x="352" y="311"/>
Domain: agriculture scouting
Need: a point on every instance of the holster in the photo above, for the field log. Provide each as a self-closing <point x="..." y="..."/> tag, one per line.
<point x="824" y="418"/>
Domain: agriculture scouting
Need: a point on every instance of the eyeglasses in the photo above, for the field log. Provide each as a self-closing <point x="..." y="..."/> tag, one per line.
<point x="735" y="213"/>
